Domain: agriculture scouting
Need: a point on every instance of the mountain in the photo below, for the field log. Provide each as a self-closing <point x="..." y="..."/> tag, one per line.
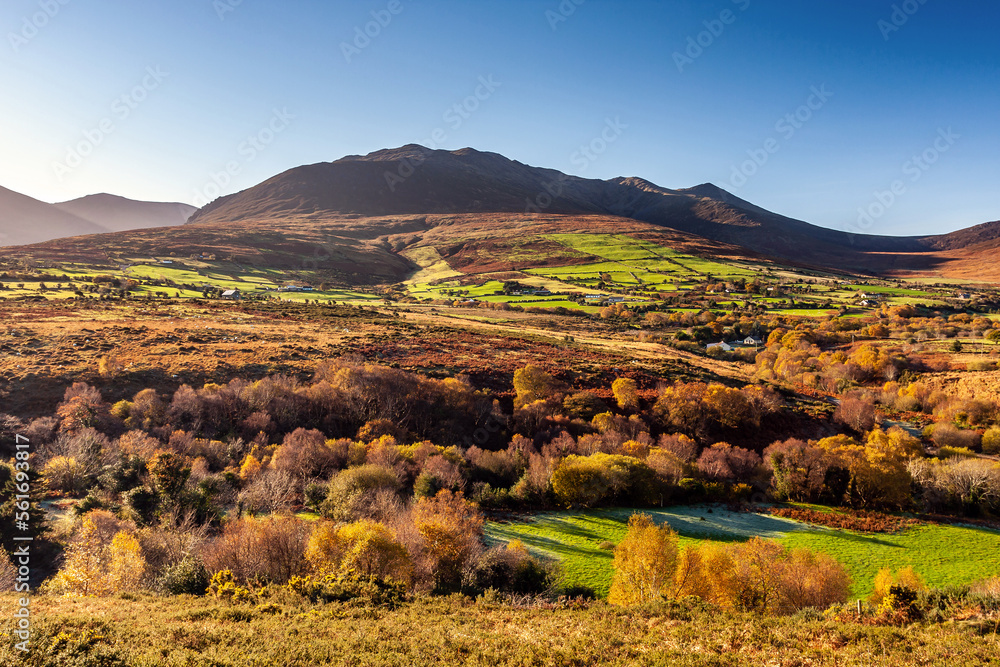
<point x="415" y="180"/>
<point x="26" y="220"/>
<point x="118" y="214"/>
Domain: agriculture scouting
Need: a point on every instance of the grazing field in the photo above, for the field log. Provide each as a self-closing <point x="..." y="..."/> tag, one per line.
<point x="576" y="539"/>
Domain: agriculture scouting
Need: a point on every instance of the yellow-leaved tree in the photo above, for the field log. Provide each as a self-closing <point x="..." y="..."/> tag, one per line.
<point x="533" y="384"/>
<point x="886" y="579"/>
<point x="645" y="563"/>
<point x="104" y="558"/>
<point x="758" y="575"/>
<point x="626" y="393"/>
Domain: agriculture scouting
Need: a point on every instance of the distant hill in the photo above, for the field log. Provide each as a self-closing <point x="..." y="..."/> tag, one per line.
<point x="119" y="214"/>
<point x="415" y="180"/>
<point x="26" y="220"/>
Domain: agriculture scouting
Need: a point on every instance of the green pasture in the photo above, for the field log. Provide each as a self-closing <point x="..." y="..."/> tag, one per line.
<point x="944" y="555"/>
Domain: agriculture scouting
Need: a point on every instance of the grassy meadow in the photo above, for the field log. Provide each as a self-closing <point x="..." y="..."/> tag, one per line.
<point x="581" y="541"/>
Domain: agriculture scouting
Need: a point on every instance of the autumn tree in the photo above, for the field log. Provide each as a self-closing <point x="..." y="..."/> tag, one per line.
<point x="584" y="405"/>
<point x="626" y="393"/>
<point x="762" y="576"/>
<point x="304" y="454"/>
<point x="270" y="549"/>
<point x="991" y="439"/>
<point x="82" y="407"/>
<point x="588" y="480"/>
<point x="169" y="472"/>
<point x="64" y="474"/>
<point x="723" y="462"/>
<point x="103" y="558"/>
<point x="449" y="531"/>
<point x="856" y="413"/>
<point x="886" y="580"/>
<point x="533" y="384"/>
<point x="645" y="564"/>
<point x="359" y="492"/>
<point x="798" y="469"/>
<point x="878" y="469"/>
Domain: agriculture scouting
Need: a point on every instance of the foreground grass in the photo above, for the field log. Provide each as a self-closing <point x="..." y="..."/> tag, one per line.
<point x="148" y="630"/>
<point x="943" y="555"/>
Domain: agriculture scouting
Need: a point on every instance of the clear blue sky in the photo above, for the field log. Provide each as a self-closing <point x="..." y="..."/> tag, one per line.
<point x="225" y="66"/>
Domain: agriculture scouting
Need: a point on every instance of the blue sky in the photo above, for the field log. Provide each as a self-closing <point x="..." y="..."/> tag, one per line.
<point x="180" y="100"/>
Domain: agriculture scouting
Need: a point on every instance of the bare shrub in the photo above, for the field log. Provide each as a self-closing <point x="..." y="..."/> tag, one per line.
<point x="946" y="435"/>
<point x="724" y="463"/>
<point x="270" y="549"/>
<point x="271" y="491"/>
<point x="856" y="413"/>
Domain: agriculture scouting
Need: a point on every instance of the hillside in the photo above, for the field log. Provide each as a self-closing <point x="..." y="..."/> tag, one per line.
<point x="117" y="214"/>
<point x="415" y="180"/>
<point x="25" y="220"/>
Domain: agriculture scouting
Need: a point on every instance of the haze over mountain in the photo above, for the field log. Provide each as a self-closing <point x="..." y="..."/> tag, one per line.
<point x="118" y="214"/>
<point x="24" y="220"/>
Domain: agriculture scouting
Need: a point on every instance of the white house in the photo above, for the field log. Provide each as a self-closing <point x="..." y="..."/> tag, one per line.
<point x="722" y="346"/>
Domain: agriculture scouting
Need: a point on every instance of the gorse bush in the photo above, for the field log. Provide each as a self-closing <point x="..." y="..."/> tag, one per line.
<point x="365" y="547"/>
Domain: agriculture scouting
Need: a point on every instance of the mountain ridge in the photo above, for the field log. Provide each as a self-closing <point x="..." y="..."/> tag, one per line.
<point x="415" y="180"/>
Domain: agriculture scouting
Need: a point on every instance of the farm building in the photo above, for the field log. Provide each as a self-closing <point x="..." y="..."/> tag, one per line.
<point x="232" y="294"/>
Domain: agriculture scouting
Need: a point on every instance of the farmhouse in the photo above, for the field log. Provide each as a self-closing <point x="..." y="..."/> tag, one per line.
<point x="720" y="346"/>
<point x="232" y="295"/>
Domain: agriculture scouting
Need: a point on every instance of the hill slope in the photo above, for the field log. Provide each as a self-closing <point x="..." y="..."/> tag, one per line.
<point x="416" y="180"/>
<point x="120" y="214"/>
<point x="26" y="220"/>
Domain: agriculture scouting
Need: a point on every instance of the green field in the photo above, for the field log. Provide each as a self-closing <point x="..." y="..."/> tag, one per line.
<point x="174" y="276"/>
<point x="943" y="555"/>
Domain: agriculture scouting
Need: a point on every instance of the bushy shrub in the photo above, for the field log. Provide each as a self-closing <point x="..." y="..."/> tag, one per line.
<point x="270" y="549"/>
<point x="64" y="474"/>
<point x="355" y="493"/>
<point x="373" y="591"/>
<point x="365" y="547"/>
<point x="508" y="568"/>
<point x="187" y="577"/>
<point x="991" y="441"/>
<point x="589" y="480"/>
